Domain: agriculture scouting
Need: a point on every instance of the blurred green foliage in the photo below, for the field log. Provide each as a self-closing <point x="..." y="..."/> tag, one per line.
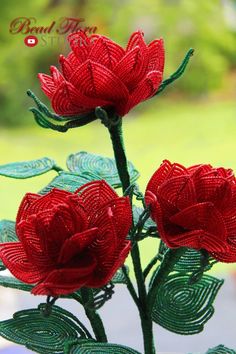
<point x="208" y="26"/>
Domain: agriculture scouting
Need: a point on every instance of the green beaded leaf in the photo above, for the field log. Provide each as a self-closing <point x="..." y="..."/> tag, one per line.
<point x="191" y="261"/>
<point x="182" y="308"/>
<point x="7" y="231"/>
<point x="46" y="335"/>
<point x="101" y="348"/>
<point x="11" y="282"/>
<point x="27" y="169"/>
<point x="137" y="211"/>
<point x="7" y="234"/>
<point x="221" y="349"/>
<point x="104" y="167"/>
<point x="66" y="181"/>
<point x="119" y="277"/>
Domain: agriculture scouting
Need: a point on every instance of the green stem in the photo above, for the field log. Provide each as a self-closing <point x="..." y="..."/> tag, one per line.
<point x="58" y="169"/>
<point x="146" y="320"/>
<point x="170" y="258"/>
<point x="149" y="266"/>
<point x="122" y="167"/>
<point x="131" y="287"/>
<point x="93" y="316"/>
<point x="119" y="152"/>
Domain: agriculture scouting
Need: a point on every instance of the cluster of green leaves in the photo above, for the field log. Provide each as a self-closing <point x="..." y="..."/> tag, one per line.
<point x="182" y="303"/>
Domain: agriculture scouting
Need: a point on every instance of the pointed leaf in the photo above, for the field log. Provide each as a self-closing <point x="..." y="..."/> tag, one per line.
<point x="7" y="234"/>
<point x="221" y="349"/>
<point x="104" y="167"/>
<point x="101" y="348"/>
<point x="11" y="282"/>
<point x="66" y="181"/>
<point x="182" y="308"/>
<point x="27" y="169"/>
<point x="40" y="333"/>
<point x="119" y="277"/>
<point x="189" y="262"/>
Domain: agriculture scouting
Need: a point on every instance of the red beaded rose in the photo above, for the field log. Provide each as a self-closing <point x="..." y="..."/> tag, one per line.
<point x="195" y="207"/>
<point x="69" y="240"/>
<point x="99" y="72"/>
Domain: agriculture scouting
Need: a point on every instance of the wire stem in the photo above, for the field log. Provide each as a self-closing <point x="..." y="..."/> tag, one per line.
<point x="116" y="135"/>
<point x="93" y="316"/>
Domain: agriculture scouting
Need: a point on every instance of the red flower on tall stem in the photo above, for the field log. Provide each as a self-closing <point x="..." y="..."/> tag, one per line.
<point x="195" y="207"/>
<point x="69" y="240"/>
<point x="99" y="72"/>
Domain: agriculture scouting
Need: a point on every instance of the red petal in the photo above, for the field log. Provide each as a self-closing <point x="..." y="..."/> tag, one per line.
<point x="199" y="170"/>
<point x="67" y="100"/>
<point x="227" y="257"/>
<point x="226" y="173"/>
<point x="119" y="212"/>
<point x="54" y="228"/>
<point x="57" y="76"/>
<point x="156" y="54"/>
<point x="66" y="67"/>
<point x="137" y="40"/>
<point x="107" y="269"/>
<point x="67" y="280"/>
<point x="145" y="89"/>
<point x="95" y="195"/>
<point x="95" y="80"/>
<point x="14" y="258"/>
<point x="77" y="211"/>
<point x="128" y="69"/>
<point x="166" y="171"/>
<point x="113" y="228"/>
<point x="159" y="176"/>
<point x="107" y="242"/>
<point x="73" y="60"/>
<point x="26" y="202"/>
<point x="177" y="193"/>
<point x="105" y="52"/>
<point x="199" y="239"/>
<point x="47" y="84"/>
<point x="32" y="243"/>
<point x="202" y="216"/>
<point x="80" y="44"/>
<point x="214" y="189"/>
<point x="76" y="244"/>
<point x="46" y="202"/>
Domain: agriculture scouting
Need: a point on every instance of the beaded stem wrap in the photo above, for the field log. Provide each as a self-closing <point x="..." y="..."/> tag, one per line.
<point x="116" y="136"/>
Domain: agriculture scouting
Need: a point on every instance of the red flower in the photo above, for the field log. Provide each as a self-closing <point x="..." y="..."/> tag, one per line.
<point x="99" y="72"/>
<point x="195" y="207"/>
<point x="69" y="240"/>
